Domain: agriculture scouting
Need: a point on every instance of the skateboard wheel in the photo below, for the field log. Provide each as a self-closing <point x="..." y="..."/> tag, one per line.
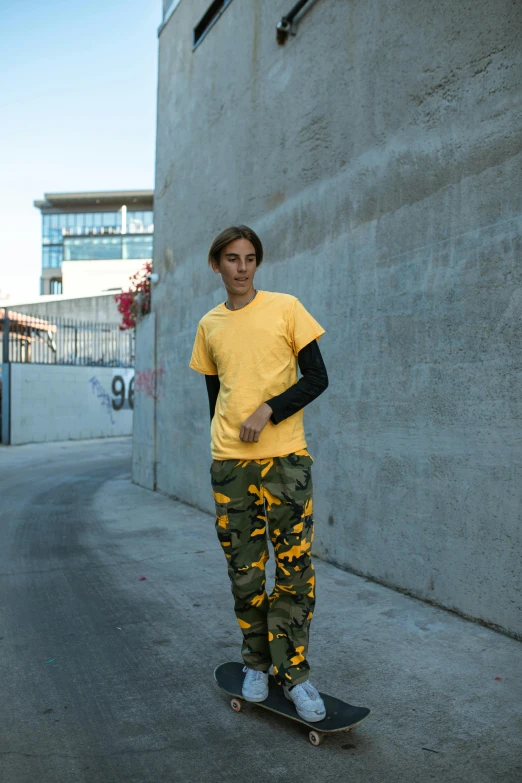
<point x="236" y="705"/>
<point x="315" y="738"/>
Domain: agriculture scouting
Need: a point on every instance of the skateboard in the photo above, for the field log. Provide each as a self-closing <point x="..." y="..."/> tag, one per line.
<point x="340" y="716"/>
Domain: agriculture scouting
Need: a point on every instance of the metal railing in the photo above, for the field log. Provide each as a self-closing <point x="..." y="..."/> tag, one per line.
<point x="56" y="340"/>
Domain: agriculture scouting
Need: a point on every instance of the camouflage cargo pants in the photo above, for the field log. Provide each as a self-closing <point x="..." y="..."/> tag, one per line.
<point x="251" y="495"/>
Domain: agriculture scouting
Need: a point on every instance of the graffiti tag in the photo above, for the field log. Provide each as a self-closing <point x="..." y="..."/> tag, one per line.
<point x="150" y="382"/>
<point x="102" y="395"/>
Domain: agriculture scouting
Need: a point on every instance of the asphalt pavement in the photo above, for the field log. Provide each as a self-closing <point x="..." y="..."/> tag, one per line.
<point x="115" y="607"/>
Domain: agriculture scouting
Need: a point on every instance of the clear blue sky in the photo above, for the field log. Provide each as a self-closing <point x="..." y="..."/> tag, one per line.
<point x="78" y="112"/>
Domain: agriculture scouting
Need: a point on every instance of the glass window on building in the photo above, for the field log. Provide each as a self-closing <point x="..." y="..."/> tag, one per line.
<point x="76" y="236"/>
<point x="113" y="220"/>
<point x="72" y="249"/>
<point x="106" y="248"/>
<point x="140" y="221"/>
<point x="92" y="248"/>
<point x="80" y="224"/>
<point x="148" y="220"/>
<point x="51" y="230"/>
<point x="137" y="246"/>
<point x="46" y="229"/>
<point x="52" y="257"/>
<point x="66" y="225"/>
<point x="55" y="286"/>
<point x="134" y="222"/>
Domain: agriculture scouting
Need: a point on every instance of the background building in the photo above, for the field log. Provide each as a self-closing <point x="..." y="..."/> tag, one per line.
<point x="378" y="155"/>
<point x="93" y="242"/>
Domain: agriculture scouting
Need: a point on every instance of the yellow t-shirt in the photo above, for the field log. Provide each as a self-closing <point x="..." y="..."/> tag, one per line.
<point x="254" y="351"/>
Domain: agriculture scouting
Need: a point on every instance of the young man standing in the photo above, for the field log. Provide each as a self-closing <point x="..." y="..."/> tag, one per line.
<point x="248" y="348"/>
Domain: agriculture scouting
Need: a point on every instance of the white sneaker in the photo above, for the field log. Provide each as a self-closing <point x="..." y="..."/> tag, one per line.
<point x="307" y="700"/>
<point x="255" y="685"/>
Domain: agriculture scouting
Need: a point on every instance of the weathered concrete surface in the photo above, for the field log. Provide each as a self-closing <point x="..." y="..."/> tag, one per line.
<point x="146" y="388"/>
<point x="130" y="696"/>
<point x="378" y="155"/>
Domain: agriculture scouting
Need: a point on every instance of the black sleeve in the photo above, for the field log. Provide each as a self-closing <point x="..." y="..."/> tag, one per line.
<point x="213" y="391"/>
<point x="307" y="388"/>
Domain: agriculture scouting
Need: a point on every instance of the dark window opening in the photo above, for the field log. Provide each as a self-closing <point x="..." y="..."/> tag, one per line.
<point x="210" y="17"/>
<point x="55" y="286"/>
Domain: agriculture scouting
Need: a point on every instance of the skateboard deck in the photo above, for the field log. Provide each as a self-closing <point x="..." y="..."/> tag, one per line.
<point x="340" y="716"/>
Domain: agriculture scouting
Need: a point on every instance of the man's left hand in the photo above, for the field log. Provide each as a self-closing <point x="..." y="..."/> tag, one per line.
<point x="253" y="426"/>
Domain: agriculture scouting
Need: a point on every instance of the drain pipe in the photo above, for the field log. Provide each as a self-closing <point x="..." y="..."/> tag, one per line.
<point x="286" y="26"/>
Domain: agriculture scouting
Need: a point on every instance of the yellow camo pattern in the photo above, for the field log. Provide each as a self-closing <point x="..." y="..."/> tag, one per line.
<point x="255" y="499"/>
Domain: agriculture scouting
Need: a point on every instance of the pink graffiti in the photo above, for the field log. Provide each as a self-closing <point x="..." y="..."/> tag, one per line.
<point x="150" y="382"/>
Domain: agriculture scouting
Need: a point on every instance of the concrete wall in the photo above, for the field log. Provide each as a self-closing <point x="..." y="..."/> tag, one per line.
<point x="378" y="155"/>
<point x="98" y="309"/>
<point x="53" y="402"/>
<point x="146" y="389"/>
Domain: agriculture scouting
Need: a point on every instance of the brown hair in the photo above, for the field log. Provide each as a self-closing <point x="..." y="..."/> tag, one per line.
<point x="228" y="235"/>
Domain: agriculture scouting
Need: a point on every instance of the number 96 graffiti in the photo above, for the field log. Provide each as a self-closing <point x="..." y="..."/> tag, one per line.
<point x="118" y="389"/>
<point x="148" y="382"/>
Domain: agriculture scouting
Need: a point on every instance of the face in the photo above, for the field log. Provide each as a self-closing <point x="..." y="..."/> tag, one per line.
<point x="238" y="266"/>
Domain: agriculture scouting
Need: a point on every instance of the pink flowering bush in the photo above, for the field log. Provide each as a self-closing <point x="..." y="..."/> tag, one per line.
<point x="127" y="301"/>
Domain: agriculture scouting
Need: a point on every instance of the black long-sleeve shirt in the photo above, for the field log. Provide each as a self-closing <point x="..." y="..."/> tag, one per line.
<point x="307" y="388"/>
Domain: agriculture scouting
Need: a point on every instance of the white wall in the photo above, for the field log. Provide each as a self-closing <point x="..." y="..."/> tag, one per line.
<point x="56" y="402"/>
<point x="93" y="277"/>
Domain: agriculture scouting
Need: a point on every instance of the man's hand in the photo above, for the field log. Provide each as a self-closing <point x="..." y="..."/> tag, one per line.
<point x="253" y="426"/>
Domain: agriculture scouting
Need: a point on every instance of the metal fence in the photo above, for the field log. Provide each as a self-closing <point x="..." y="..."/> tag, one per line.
<point x="56" y="340"/>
